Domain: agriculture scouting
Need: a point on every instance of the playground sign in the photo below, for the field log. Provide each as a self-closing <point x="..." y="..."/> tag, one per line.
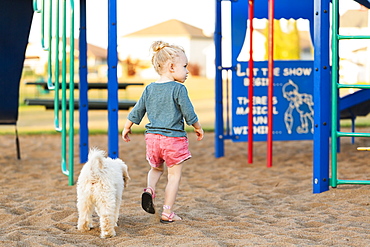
<point x="292" y="101"/>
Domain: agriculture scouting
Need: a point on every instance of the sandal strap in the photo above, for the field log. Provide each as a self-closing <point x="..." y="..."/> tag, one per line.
<point x="169" y="216"/>
<point x="151" y="190"/>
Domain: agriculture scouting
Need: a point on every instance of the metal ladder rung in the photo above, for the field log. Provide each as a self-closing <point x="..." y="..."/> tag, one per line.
<point x="342" y="181"/>
<point x="353" y="37"/>
<point x="361" y="86"/>
<point x="351" y="134"/>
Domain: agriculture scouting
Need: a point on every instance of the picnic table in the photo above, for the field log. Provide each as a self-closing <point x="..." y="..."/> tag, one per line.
<point x="94" y="104"/>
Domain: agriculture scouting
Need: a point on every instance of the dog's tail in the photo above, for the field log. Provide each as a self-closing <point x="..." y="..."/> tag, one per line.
<point x="126" y="176"/>
<point x="96" y="159"/>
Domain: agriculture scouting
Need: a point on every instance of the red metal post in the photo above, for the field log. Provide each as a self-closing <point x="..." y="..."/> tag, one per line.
<point x="270" y="81"/>
<point x="250" y="87"/>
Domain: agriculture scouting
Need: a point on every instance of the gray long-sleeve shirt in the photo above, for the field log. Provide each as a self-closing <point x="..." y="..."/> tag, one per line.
<point x="167" y="105"/>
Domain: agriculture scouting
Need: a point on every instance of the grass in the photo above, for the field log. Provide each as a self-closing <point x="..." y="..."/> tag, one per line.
<point x="37" y="120"/>
<point x="360" y="122"/>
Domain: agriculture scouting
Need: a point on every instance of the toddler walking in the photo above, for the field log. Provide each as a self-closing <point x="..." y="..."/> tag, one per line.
<point x="167" y="105"/>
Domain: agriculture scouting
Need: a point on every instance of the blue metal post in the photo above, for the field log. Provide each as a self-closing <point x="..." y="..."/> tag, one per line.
<point x="219" y="121"/>
<point x="112" y="80"/>
<point x="83" y="87"/>
<point x="321" y="97"/>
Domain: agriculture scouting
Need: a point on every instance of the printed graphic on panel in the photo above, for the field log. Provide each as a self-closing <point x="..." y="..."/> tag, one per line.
<point x="302" y="103"/>
<point x="293" y="79"/>
<point x="292" y="101"/>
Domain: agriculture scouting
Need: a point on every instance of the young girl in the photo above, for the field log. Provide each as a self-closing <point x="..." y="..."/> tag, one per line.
<point x="167" y="105"/>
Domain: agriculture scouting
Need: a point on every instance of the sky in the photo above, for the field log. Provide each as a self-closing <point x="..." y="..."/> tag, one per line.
<point x="134" y="15"/>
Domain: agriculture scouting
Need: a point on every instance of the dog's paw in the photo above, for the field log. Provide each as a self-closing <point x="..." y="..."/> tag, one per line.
<point x="107" y="234"/>
<point x="84" y="227"/>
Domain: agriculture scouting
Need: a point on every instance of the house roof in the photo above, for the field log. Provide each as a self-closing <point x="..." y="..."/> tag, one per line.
<point x="354" y="18"/>
<point x="92" y="50"/>
<point x="96" y="51"/>
<point x="170" y="28"/>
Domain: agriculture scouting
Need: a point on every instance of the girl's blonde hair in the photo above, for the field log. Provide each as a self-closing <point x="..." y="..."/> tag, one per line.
<point x="162" y="53"/>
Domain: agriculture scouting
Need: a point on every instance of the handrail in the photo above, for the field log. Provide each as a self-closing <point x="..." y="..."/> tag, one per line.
<point x="66" y="169"/>
<point x="64" y="88"/>
<point x="49" y="49"/>
<point x="56" y="83"/>
<point x="35" y="8"/>
<point x="71" y="95"/>
<point x="41" y="10"/>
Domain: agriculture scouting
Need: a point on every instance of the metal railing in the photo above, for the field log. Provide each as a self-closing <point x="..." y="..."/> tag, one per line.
<point x="57" y="81"/>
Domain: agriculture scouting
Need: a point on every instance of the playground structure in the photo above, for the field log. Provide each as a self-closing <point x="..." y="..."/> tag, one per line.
<point x="335" y="87"/>
<point x="113" y="104"/>
<point x="260" y="73"/>
<point x="13" y="39"/>
<point x="317" y="11"/>
<point x="15" y="33"/>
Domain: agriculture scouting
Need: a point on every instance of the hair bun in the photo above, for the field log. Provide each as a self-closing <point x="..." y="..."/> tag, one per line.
<point x="162" y="53"/>
<point x="159" y="45"/>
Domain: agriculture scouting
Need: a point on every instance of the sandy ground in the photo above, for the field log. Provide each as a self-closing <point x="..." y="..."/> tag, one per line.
<point x="223" y="202"/>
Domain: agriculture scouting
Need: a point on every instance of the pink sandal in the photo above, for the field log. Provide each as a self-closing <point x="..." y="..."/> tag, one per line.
<point x="168" y="216"/>
<point x="147" y="200"/>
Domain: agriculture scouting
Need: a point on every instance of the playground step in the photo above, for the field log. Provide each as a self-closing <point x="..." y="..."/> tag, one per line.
<point x="93" y="104"/>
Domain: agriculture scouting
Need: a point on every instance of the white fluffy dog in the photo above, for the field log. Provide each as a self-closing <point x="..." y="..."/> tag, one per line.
<point x="100" y="186"/>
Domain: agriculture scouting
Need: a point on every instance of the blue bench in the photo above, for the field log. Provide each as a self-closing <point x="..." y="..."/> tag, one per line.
<point x="92" y="104"/>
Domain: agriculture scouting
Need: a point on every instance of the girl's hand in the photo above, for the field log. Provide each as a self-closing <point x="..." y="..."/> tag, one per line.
<point x="125" y="133"/>
<point x="199" y="133"/>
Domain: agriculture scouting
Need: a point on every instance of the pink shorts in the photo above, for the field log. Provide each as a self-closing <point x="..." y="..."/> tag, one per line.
<point x="172" y="150"/>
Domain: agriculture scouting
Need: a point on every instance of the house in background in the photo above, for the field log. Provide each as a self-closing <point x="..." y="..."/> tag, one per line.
<point x="36" y="61"/>
<point x="355" y="54"/>
<point x="199" y="48"/>
<point x="97" y="63"/>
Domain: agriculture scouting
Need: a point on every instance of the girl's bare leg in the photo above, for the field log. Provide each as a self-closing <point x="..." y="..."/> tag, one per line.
<point x="153" y="177"/>
<point x="174" y="178"/>
<point x="147" y="198"/>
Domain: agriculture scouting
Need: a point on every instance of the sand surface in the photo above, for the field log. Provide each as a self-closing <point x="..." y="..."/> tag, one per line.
<point x="223" y="202"/>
